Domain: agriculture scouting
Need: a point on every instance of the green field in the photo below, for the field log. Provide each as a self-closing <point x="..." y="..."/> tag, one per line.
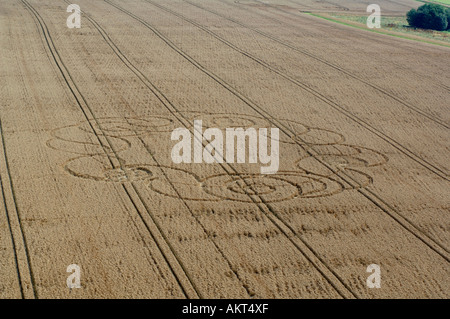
<point x="396" y="24"/>
<point x="439" y="1"/>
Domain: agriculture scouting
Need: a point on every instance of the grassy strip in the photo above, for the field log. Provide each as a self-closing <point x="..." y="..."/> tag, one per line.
<point x="376" y="30"/>
<point x="444" y="2"/>
<point x="396" y="25"/>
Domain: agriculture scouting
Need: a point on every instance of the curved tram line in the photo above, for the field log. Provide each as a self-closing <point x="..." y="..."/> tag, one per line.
<point x="18" y="239"/>
<point x="176" y="267"/>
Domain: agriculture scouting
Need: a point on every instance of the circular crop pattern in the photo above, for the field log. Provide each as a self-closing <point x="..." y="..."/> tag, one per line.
<point x="260" y="188"/>
<point x="127" y="127"/>
<point x="269" y="188"/>
<point x="127" y="174"/>
<point x="99" y="168"/>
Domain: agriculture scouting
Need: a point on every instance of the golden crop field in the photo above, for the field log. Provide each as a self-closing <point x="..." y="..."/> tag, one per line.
<point x="88" y="177"/>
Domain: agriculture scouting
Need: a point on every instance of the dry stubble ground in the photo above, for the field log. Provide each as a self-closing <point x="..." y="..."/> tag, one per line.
<point x="87" y="177"/>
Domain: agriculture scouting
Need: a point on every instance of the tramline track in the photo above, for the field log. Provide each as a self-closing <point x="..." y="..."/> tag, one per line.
<point x="18" y="238"/>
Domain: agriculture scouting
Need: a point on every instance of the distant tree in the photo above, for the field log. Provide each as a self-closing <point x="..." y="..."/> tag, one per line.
<point x="414" y="18"/>
<point x="448" y="18"/>
<point x="429" y="16"/>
